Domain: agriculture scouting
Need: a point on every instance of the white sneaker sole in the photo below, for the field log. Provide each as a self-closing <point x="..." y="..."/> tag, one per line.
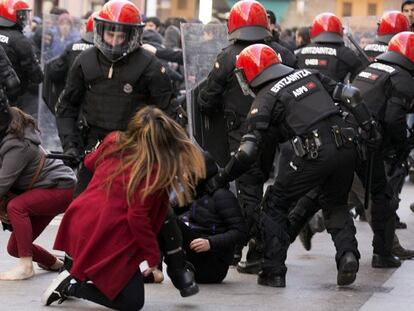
<point x="52" y="287"/>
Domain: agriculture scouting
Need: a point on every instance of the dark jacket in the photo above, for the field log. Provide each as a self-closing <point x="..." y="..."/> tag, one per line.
<point x="219" y="219"/>
<point x="20" y="51"/>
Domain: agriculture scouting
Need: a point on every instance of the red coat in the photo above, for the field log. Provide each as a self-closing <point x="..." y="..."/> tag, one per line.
<point x="107" y="239"/>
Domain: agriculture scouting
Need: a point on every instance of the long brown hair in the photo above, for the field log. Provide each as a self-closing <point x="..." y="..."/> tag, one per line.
<point x="153" y="140"/>
<point x="19" y="121"/>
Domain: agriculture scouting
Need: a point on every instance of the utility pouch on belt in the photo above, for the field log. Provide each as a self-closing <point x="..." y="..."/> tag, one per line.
<point x="348" y="136"/>
<point x="336" y="133"/>
<point x="298" y="146"/>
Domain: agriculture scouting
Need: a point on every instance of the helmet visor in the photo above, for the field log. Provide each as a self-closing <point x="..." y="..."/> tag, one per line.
<point x="116" y="40"/>
<point x="24" y="18"/>
<point x="241" y="78"/>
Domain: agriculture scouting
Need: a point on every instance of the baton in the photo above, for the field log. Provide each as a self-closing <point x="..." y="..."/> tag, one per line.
<point x="368" y="179"/>
<point x="359" y="49"/>
<point x="60" y="156"/>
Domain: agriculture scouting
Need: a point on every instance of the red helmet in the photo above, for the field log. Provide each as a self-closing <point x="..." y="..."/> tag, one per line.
<point x="248" y="21"/>
<point x="390" y="24"/>
<point x="14" y="12"/>
<point x="326" y="27"/>
<point x="257" y="64"/>
<point x="400" y="50"/>
<point x="118" y="29"/>
<point x="87" y="31"/>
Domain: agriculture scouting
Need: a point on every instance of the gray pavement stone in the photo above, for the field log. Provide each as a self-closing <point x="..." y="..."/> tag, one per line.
<point x="311" y="281"/>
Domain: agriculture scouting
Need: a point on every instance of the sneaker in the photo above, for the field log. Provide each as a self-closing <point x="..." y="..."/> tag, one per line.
<point x="57" y="289"/>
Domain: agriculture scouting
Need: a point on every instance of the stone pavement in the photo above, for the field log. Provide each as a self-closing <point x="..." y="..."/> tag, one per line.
<point x="311" y="281"/>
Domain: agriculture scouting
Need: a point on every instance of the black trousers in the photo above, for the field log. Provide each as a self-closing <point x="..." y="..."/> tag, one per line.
<point x="382" y="211"/>
<point x="209" y="268"/>
<point x="131" y="298"/>
<point x="332" y="171"/>
<point x="249" y="186"/>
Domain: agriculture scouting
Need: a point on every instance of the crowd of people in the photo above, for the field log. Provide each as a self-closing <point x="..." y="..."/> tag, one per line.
<point x="136" y="192"/>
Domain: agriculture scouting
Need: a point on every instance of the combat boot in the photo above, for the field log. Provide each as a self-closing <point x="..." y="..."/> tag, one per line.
<point x="385" y="261"/>
<point x="183" y="279"/>
<point x="347" y="269"/>
<point x="271" y="279"/>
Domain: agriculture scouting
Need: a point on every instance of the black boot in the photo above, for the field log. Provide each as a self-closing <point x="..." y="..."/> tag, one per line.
<point x="385" y="261"/>
<point x="383" y="243"/>
<point x="347" y="269"/>
<point x="271" y="279"/>
<point x="179" y="270"/>
<point x="183" y="279"/>
<point x="401" y="252"/>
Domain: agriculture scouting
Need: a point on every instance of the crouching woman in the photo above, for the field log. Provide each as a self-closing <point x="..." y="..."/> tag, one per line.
<point x="44" y="189"/>
<point x="211" y="228"/>
<point x="110" y="230"/>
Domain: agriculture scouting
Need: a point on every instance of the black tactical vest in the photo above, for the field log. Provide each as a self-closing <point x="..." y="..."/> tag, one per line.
<point x="306" y="100"/>
<point x="110" y="102"/>
<point x="322" y="58"/>
<point x="374" y="49"/>
<point x="374" y="82"/>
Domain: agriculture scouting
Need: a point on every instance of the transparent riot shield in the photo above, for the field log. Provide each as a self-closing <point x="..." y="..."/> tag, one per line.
<point x="57" y="33"/>
<point x="361" y="30"/>
<point x="201" y="45"/>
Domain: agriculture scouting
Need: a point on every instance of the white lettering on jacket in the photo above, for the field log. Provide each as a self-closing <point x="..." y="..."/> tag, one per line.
<point x="290" y="79"/>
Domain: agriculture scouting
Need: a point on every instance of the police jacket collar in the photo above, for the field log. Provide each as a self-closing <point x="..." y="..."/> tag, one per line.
<point x="396" y="59"/>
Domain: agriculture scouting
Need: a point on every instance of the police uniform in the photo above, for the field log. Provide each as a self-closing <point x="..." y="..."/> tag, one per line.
<point x="223" y="89"/>
<point x="374" y="49"/>
<point x="21" y="54"/>
<point x="388" y="89"/>
<point x="110" y="94"/>
<point x="334" y="60"/>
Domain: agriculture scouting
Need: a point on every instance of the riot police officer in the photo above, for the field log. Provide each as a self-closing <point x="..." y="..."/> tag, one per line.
<point x="387" y="86"/>
<point x="296" y="105"/>
<point x="327" y="52"/>
<point x="389" y="25"/>
<point x="14" y="16"/>
<point x="56" y="70"/>
<point x="106" y="85"/>
<point x="247" y="24"/>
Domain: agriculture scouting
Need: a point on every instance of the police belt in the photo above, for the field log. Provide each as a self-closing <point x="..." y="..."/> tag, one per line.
<point x="309" y="144"/>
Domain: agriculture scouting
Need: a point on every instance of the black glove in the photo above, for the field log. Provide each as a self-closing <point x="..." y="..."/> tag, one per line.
<point x="372" y="138"/>
<point x="220" y="180"/>
<point x="74" y="157"/>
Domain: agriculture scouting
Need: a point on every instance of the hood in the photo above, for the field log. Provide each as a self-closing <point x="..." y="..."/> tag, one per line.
<point x="151" y="36"/>
<point x="30" y="134"/>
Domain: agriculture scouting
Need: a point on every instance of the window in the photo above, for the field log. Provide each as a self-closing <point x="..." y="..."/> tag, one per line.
<point x="372" y="9"/>
<point x="346" y="9"/>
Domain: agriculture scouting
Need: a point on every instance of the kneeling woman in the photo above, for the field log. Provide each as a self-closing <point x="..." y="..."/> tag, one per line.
<point x="44" y="189"/>
<point x="211" y="228"/>
<point x="110" y="230"/>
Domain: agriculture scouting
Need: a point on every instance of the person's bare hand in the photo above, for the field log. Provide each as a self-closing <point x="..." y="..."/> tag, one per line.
<point x="200" y="245"/>
<point x="149" y="271"/>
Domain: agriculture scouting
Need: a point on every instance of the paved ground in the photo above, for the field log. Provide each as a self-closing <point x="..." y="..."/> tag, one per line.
<point x="311" y="282"/>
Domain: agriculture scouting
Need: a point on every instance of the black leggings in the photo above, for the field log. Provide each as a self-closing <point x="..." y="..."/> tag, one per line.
<point x="209" y="269"/>
<point x="130" y="298"/>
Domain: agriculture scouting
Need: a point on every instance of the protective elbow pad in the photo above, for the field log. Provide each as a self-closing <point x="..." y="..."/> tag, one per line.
<point x="247" y="152"/>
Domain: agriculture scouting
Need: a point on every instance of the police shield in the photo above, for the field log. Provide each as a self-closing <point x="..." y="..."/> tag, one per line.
<point x="57" y="33"/>
<point x="360" y="31"/>
<point x="201" y="45"/>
